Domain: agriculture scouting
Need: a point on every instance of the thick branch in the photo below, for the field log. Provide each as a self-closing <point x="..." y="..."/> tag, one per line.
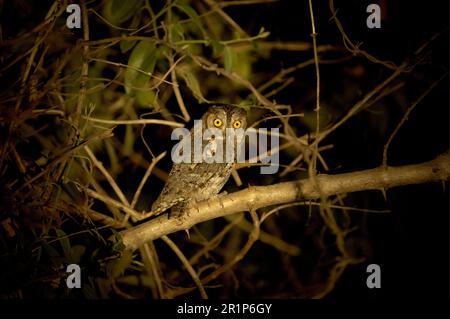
<point x="261" y="196"/>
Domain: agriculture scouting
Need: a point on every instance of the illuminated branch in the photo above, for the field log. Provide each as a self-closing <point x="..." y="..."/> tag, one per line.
<point x="261" y="196"/>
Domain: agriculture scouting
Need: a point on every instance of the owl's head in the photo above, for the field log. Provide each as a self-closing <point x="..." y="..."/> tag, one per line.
<point x="225" y="116"/>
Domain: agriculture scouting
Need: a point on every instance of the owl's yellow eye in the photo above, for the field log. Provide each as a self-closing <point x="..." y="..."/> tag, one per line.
<point x="237" y="124"/>
<point x="218" y="123"/>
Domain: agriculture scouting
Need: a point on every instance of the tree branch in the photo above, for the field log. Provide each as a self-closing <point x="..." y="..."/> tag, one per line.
<point x="256" y="197"/>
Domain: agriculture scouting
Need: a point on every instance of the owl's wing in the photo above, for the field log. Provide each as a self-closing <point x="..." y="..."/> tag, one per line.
<point x="186" y="182"/>
<point x="179" y="187"/>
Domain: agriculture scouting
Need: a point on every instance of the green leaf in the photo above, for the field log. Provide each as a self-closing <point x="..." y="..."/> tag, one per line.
<point x="127" y="45"/>
<point x="143" y="57"/>
<point x="129" y="141"/>
<point x="245" y="104"/>
<point x="77" y="252"/>
<point x="65" y="243"/>
<point x="118" y="245"/>
<point x="119" y="11"/>
<point x="117" y="267"/>
<point x="230" y="58"/>
<point x="135" y="280"/>
<point x="50" y="250"/>
<point x="177" y="32"/>
<point x="193" y="15"/>
<point x="193" y="85"/>
<point x="217" y="47"/>
<point x="145" y="98"/>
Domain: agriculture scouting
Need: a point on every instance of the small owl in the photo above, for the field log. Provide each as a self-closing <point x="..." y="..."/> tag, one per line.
<point x="189" y="182"/>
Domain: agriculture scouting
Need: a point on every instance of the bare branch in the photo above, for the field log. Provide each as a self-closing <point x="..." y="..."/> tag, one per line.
<point x="262" y="196"/>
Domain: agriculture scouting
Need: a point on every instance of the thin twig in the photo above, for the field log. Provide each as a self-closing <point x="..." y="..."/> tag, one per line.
<point x="150" y="259"/>
<point x="173" y="75"/>
<point x="134" y="122"/>
<point x="252" y="238"/>
<point x="144" y="179"/>
<point x="354" y="49"/>
<point x="109" y="201"/>
<point x="266" y="238"/>
<point x="216" y="240"/>
<point x="84" y="65"/>
<point x="405" y="116"/>
<point x="217" y="8"/>
<point x="108" y="177"/>
<point x="186" y="264"/>
<point x="312" y="166"/>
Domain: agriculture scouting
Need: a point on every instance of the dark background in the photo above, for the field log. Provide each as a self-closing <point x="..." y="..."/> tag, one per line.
<point x="411" y="244"/>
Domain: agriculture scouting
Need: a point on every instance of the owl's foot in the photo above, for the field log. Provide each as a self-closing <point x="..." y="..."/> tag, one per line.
<point x="179" y="212"/>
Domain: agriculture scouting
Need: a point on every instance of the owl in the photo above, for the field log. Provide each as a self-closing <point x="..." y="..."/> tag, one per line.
<point x="197" y="181"/>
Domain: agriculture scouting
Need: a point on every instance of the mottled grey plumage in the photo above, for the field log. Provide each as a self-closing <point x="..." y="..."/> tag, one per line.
<point x="199" y="181"/>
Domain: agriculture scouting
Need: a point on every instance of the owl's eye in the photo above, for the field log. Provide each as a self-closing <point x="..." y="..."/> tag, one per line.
<point x="237" y="124"/>
<point x="218" y="122"/>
